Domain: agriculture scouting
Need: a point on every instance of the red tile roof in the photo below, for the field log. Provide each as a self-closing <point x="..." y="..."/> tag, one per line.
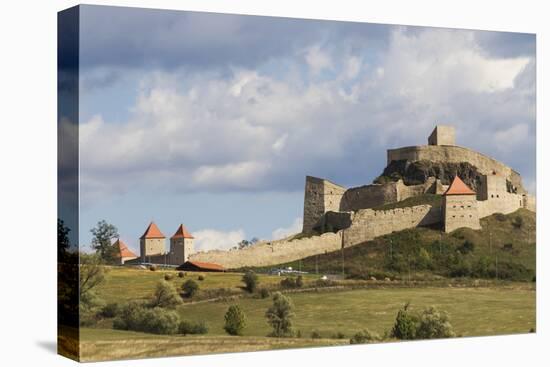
<point x="182" y="233"/>
<point x="458" y="187"/>
<point x="152" y="232"/>
<point x="210" y="266"/>
<point x="123" y="250"/>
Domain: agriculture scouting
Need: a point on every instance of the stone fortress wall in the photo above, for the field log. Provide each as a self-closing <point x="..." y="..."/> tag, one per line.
<point x="455" y="154"/>
<point x="324" y="200"/>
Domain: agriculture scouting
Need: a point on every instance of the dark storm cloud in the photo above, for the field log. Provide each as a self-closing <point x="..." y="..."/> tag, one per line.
<point x="146" y="38"/>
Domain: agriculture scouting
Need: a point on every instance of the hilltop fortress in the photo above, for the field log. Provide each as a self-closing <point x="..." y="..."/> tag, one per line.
<point x="463" y="186"/>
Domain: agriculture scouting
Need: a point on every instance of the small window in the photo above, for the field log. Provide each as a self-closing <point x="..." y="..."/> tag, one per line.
<point x="492" y="195"/>
<point x="497" y="196"/>
<point x="454" y="216"/>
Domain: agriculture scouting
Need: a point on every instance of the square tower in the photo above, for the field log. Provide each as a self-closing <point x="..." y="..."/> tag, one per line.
<point x="442" y="135"/>
<point x="459" y="207"/>
<point x="152" y="242"/>
<point x="492" y="187"/>
<point x="181" y="246"/>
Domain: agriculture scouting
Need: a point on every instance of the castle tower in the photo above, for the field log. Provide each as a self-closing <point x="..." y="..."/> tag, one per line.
<point x="442" y="135"/>
<point x="320" y="196"/>
<point x="459" y="207"/>
<point x="122" y="252"/>
<point x="152" y="242"/>
<point x="181" y="246"/>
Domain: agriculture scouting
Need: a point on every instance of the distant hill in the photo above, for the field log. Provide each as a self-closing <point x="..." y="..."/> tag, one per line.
<point x="504" y="248"/>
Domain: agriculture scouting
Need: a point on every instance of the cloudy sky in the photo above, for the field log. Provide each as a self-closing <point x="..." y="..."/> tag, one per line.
<point x="214" y="120"/>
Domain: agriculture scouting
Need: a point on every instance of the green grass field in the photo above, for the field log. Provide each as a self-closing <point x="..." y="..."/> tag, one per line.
<point x="473" y="312"/>
<point x="104" y="344"/>
<point x="124" y="284"/>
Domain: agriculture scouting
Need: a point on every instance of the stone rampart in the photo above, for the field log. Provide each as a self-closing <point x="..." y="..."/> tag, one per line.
<point x="272" y="253"/>
<point x="368" y="224"/>
<point x="455" y="154"/>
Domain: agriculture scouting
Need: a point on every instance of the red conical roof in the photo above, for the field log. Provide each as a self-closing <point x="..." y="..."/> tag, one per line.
<point x="152" y="232"/>
<point x="182" y="233"/>
<point x="123" y="250"/>
<point x="458" y="187"/>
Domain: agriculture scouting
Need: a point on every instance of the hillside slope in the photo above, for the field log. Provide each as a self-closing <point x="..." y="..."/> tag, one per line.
<point x="504" y="248"/>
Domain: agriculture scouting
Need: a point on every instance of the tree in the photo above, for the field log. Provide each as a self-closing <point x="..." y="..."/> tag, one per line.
<point x="364" y="336"/>
<point x="190" y="287"/>
<point x="434" y="324"/>
<point x="280" y="315"/>
<point x="405" y="324"/>
<point x="165" y="296"/>
<point x="235" y="320"/>
<point x="103" y="235"/>
<point x="63" y="243"/>
<point x="91" y="274"/>
<point x="250" y="279"/>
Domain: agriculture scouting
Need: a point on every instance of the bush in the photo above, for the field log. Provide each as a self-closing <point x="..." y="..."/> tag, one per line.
<point x="134" y="316"/>
<point x="201" y="277"/>
<point x="339" y="335"/>
<point x="434" y="324"/>
<point x="315" y="334"/>
<point x="288" y="283"/>
<point x="405" y="324"/>
<point x="168" y="277"/>
<point x="181" y="274"/>
<point x="364" y="336"/>
<point x="250" y="280"/>
<point x="235" y="320"/>
<point x="508" y="247"/>
<point x="110" y="310"/>
<point x="280" y="315"/>
<point x="188" y="327"/>
<point x="501" y="217"/>
<point x="299" y="281"/>
<point x="264" y="293"/>
<point x="190" y="287"/>
<point x="165" y="296"/>
<point x="517" y="222"/>
<point x="153" y="267"/>
<point x="466" y="247"/>
<point x="423" y="260"/>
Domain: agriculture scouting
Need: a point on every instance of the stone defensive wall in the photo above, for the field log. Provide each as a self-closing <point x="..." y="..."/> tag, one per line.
<point x="272" y="252"/>
<point x="455" y="154"/>
<point x="507" y="203"/>
<point x="368" y="224"/>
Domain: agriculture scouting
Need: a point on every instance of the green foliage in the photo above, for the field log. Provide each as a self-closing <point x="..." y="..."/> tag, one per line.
<point x="181" y="274"/>
<point x="165" y="296"/>
<point x="190" y="287"/>
<point x="501" y="217"/>
<point x="405" y="324"/>
<point x="315" y="334"/>
<point x="291" y="282"/>
<point x="434" y="324"/>
<point x="423" y="260"/>
<point x="103" y="235"/>
<point x="466" y="248"/>
<point x="280" y="316"/>
<point x="430" y="324"/>
<point x="63" y="243"/>
<point x="110" y="310"/>
<point x="339" y="335"/>
<point x="135" y="316"/>
<point x="364" y="336"/>
<point x="264" y="293"/>
<point x="517" y="221"/>
<point x="235" y="320"/>
<point x="250" y="280"/>
<point x="168" y="277"/>
<point x="91" y="274"/>
<point x="188" y="327"/>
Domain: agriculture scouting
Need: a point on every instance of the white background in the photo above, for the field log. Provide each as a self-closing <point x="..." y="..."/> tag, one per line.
<point x="28" y="182"/>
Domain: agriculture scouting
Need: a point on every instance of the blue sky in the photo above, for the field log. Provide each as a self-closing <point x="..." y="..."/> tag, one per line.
<point x="214" y="120"/>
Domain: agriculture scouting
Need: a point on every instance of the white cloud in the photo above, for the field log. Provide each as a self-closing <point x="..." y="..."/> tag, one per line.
<point x="211" y="239"/>
<point x="317" y="59"/>
<point x="256" y="130"/>
<point x="294" y="228"/>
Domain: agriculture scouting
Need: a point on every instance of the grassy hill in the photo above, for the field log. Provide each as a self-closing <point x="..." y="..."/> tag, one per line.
<point x="504" y="248"/>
